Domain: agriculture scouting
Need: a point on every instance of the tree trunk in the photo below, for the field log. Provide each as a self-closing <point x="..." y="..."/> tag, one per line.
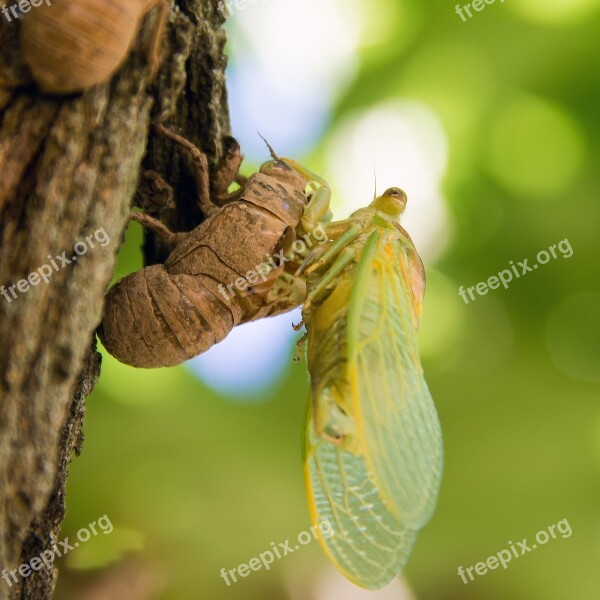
<point x="69" y="168"/>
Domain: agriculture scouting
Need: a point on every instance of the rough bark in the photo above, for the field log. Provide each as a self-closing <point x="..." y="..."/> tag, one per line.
<point x="68" y="167"/>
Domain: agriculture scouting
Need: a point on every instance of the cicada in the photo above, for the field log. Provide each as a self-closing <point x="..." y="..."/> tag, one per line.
<point x="373" y="446"/>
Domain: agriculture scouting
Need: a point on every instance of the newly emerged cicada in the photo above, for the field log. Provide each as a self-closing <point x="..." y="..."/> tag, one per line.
<point x="373" y="446"/>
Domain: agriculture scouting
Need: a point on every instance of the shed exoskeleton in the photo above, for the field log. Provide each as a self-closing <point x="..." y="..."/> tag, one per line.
<point x="167" y="313"/>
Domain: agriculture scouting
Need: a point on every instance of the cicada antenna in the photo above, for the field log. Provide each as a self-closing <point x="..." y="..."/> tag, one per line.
<point x="273" y="153"/>
<point x="375" y="184"/>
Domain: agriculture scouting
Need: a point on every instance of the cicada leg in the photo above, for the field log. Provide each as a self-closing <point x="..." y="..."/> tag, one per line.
<point x="158" y="227"/>
<point x="299" y="345"/>
<point x="334" y="249"/>
<point x="262" y="287"/>
<point x="318" y="207"/>
<point x="280" y="291"/>
<point x="286" y="291"/>
<point x="200" y="167"/>
<point x="154" y="194"/>
<point x="346" y="256"/>
<point x="226" y="171"/>
<point x="331" y="421"/>
<point x="342" y="233"/>
<point x="286" y="242"/>
<point x="316" y="210"/>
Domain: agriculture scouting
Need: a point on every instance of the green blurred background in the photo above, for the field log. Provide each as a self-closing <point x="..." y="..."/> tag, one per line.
<point x="492" y="127"/>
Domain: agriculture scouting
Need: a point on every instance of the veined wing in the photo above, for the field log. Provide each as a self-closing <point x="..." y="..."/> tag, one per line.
<point x="396" y="420"/>
<point x="368" y="545"/>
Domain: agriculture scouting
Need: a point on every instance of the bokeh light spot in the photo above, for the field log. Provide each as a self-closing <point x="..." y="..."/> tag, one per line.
<point x="441" y="75"/>
<point x="286" y="79"/>
<point x="535" y="148"/>
<point x="385" y="21"/>
<point x="403" y="144"/>
<point x="250" y="359"/>
<point x="556" y="12"/>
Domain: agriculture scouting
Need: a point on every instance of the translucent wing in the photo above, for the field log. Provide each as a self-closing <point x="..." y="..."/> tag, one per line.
<point x="367" y="545"/>
<point x="397" y="424"/>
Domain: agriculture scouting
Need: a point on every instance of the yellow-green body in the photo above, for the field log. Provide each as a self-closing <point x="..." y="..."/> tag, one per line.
<point x="373" y="448"/>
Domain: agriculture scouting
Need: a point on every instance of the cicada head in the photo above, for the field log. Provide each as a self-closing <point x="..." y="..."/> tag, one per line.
<point x="278" y="169"/>
<point x="392" y="202"/>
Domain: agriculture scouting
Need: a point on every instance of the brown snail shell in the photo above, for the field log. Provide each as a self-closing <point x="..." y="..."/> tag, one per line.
<point x="71" y="45"/>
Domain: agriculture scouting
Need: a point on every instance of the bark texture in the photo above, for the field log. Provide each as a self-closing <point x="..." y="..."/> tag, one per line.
<point x="70" y="166"/>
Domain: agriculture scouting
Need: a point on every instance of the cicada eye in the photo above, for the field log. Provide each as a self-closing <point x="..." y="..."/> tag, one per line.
<point x="283" y="165"/>
<point x="395" y="192"/>
<point x="273" y="166"/>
